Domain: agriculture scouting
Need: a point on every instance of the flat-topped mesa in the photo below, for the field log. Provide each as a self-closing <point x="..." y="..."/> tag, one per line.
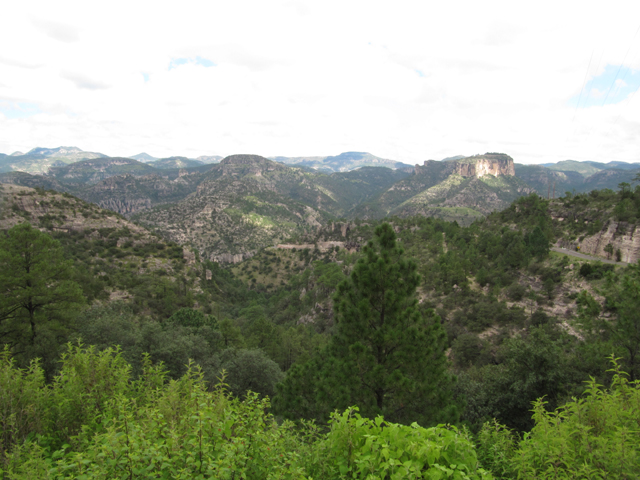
<point x="496" y="164"/>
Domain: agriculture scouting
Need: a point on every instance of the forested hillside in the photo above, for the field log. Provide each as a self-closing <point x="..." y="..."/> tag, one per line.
<point x="411" y="319"/>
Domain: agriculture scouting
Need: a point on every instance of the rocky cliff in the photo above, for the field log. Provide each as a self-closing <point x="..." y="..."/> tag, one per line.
<point x="489" y="164"/>
<point x="621" y="235"/>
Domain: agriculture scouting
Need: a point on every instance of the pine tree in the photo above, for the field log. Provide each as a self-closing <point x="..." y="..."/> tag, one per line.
<point x="36" y="286"/>
<point x="386" y="356"/>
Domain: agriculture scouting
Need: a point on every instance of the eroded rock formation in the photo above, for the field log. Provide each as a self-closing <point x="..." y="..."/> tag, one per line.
<point x="496" y="165"/>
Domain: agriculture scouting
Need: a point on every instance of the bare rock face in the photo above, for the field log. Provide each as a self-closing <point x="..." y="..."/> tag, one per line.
<point x="496" y="164"/>
<point x="232" y="258"/>
<point x="189" y="256"/>
<point x="489" y="164"/>
<point x="620" y="235"/>
<point x="125" y="206"/>
<point x="343" y="227"/>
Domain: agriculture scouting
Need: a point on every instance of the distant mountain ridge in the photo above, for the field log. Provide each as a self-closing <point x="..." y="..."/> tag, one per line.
<point x="176" y="162"/>
<point x="143" y="157"/>
<point x="201" y="160"/>
<point x="343" y="162"/>
<point x="40" y="160"/>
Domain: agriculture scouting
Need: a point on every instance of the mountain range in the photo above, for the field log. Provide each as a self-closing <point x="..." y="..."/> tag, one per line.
<point x="229" y="210"/>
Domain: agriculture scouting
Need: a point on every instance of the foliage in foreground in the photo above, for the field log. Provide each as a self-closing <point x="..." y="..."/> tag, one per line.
<point x="94" y="421"/>
<point x="594" y="437"/>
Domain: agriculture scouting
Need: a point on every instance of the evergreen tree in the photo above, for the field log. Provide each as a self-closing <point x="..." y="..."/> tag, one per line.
<point x="386" y="356"/>
<point x="538" y="243"/>
<point x="37" y="294"/>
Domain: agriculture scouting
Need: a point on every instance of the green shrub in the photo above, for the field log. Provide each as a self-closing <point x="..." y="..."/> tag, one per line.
<point x="496" y="446"/>
<point x="516" y="292"/>
<point x="23" y="402"/>
<point x="595" y="271"/>
<point x="597" y="436"/>
<point x="362" y="448"/>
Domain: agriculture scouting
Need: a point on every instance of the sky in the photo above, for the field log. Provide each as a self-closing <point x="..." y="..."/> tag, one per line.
<point x="403" y="80"/>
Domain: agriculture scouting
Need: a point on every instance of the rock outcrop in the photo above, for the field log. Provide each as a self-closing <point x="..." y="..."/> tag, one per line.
<point x="489" y="164"/>
<point x="621" y="235"/>
<point x="496" y="164"/>
<point x="232" y="258"/>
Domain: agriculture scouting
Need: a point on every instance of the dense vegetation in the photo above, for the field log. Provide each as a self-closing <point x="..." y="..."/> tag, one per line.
<point x="95" y="420"/>
<point x="500" y="322"/>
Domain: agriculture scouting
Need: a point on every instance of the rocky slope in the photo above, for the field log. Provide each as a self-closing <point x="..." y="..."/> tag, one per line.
<point x="129" y="194"/>
<point x="56" y="211"/>
<point x="589" y="224"/>
<point x="28" y="180"/>
<point x="621" y="235"/>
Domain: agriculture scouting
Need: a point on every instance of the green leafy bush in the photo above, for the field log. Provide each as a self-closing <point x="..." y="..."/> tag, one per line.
<point x="95" y="422"/>
<point x="594" y="437"/>
<point x="358" y="447"/>
<point x="597" y="436"/>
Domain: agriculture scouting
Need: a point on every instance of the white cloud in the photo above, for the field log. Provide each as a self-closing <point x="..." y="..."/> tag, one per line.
<point x="58" y="31"/>
<point x="319" y="77"/>
<point x="81" y="81"/>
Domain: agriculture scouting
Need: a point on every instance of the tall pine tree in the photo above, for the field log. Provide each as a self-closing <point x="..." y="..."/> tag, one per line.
<point x="386" y="356"/>
<point x="37" y="294"/>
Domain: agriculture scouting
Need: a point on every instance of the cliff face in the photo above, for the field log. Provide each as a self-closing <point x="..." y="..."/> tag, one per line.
<point x="621" y="235"/>
<point x="496" y="165"/>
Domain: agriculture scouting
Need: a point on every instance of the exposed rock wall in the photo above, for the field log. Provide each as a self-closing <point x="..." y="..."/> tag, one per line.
<point x="620" y="235"/>
<point x="487" y="165"/>
<point x="125" y="207"/>
<point x="232" y="258"/>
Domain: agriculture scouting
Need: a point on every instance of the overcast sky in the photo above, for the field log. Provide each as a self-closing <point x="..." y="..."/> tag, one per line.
<point x="409" y="81"/>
